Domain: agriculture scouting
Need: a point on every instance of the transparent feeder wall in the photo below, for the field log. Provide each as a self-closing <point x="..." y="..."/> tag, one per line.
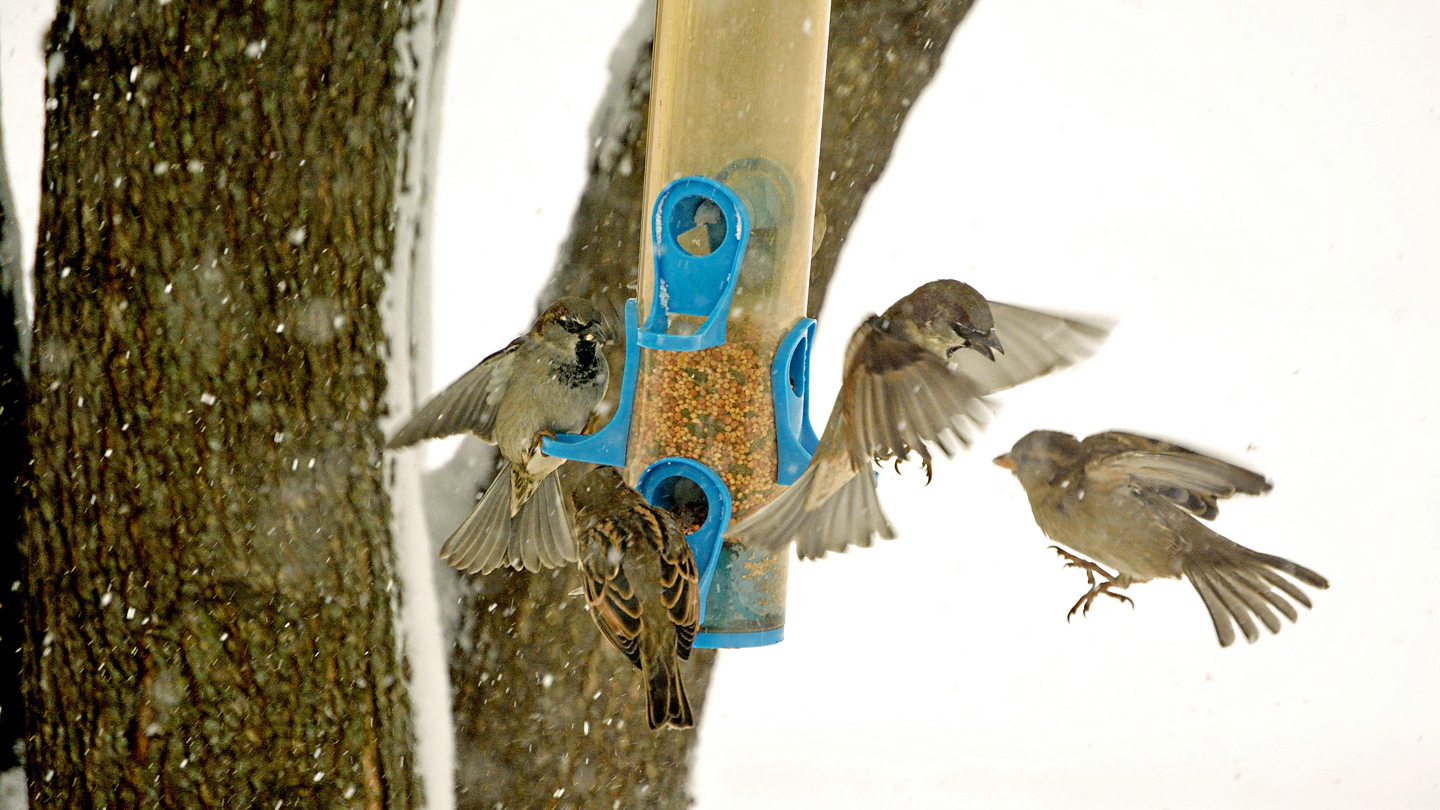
<point x="736" y="97"/>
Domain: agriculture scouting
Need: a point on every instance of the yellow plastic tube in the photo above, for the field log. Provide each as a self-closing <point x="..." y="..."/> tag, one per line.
<point x="736" y="96"/>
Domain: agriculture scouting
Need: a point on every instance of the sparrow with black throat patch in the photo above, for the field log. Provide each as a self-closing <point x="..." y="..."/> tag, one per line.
<point x="543" y="383"/>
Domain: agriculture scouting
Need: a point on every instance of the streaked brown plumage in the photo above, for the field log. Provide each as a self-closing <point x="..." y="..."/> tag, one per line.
<point x="545" y="382"/>
<point x="1131" y="502"/>
<point x="909" y="382"/>
<point x="641" y="585"/>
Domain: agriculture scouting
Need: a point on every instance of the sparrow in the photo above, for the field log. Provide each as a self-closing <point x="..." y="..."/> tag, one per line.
<point x="642" y="587"/>
<point x="1131" y="502"/>
<point x="545" y="382"/>
<point x="918" y="374"/>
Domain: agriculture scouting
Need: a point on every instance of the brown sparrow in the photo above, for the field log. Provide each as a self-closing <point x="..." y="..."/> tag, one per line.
<point x="917" y="374"/>
<point x="1131" y="502"/>
<point x="641" y="585"/>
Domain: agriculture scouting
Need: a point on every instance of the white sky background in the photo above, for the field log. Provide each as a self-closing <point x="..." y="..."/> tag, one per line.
<point x="1253" y="188"/>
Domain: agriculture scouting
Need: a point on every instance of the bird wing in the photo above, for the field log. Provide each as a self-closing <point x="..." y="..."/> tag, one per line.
<point x="612" y="599"/>
<point x="1193" y="481"/>
<point x="896" y="396"/>
<point x="1036" y="343"/>
<point x="679" y="580"/>
<point x="468" y="404"/>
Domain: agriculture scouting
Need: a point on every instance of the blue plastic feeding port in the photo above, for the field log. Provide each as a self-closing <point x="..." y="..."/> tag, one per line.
<point x="790" y="385"/>
<point x="606" y="445"/>
<point x="694" y="494"/>
<point x="700" y="229"/>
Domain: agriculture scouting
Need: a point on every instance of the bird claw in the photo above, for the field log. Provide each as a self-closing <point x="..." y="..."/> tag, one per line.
<point x="1096" y="587"/>
<point x="1089" y="598"/>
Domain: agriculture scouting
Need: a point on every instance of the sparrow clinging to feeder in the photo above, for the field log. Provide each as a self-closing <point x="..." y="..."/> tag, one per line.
<point x="641" y="584"/>
<point x="543" y="383"/>
<point x="916" y="375"/>
<point x="1131" y="502"/>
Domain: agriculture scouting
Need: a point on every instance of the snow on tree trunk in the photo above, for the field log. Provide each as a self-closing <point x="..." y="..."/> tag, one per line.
<point x="549" y="715"/>
<point x="211" y="588"/>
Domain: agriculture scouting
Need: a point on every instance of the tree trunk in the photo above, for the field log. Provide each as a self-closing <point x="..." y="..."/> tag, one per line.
<point x="211" y="585"/>
<point x="548" y="715"/>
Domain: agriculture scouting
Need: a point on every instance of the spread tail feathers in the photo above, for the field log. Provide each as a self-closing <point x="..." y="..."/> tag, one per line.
<point x="851" y="516"/>
<point x="539" y="536"/>
<point x="1239" y="588"/>
<point x="665" y="700"/>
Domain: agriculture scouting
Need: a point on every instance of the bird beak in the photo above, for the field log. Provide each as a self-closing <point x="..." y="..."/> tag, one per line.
<point x="599" y="334"/>
<point x="986" y="342"/>
<point x="1005" y="461"/>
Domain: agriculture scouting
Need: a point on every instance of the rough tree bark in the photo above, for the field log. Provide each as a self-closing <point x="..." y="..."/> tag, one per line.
<point x="210" y="576"/>
<point x="547" y="714"/>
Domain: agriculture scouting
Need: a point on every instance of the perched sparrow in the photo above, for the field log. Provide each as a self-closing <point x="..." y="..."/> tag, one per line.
<point x="641" y="584"/>
<point x="1127" y="501"/>
<point x="915" y="375"/>
<point x="544" y="383"/>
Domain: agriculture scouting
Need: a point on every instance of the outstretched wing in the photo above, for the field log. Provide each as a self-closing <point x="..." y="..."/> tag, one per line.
<point x="468" y="404"/>
<point x="1036" y="343"/>
<point x="1193" y="481"/>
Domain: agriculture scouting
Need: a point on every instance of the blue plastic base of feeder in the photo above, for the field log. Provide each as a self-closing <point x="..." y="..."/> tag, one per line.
<point x="730" y="641"/>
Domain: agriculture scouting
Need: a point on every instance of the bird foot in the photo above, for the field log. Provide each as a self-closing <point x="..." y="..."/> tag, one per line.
<point x="1089" y="598"/>
<point x="924" y="462"/>
<point x="1097" y="587"/>
<point x="540" y="437"/>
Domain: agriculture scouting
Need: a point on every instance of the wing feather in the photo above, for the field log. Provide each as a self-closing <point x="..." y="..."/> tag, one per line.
<point x="1036" y="343"/>
<point x="468" y="404"/>
<point x="1193" y="481"/>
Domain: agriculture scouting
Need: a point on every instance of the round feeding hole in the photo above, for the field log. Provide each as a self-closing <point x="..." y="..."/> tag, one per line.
<point x="684" y="499"/>
<point x="699" y="225"/>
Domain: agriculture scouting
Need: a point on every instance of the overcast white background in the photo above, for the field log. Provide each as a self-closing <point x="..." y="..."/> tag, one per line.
<point x="1253" y="188"/>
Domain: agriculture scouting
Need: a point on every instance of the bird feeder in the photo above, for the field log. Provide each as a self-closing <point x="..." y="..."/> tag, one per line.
<point x="712" y="421"/>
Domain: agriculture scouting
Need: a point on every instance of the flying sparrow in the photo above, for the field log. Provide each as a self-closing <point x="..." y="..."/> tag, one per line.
<point x="543" y="383"/>
<point x="642" y="587"/>
<point x="1131" y="502"/>
<point x="917" y="374"/>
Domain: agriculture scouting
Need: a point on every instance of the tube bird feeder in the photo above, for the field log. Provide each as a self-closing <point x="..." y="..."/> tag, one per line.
<point x="712" y="422"/>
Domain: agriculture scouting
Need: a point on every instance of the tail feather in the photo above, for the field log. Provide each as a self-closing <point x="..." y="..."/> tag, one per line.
<point x="480" y="543"/>
<point x="1219" y="615"/>
<point x="1236" y="588"/>
<point x="666" y="703"/>
<point x="537" y="537"/>
<point x="1261" y="586"/>
<point x="543" y="528"/>
<point x="1245" y="592"/>
<point x="1295" y="570"/>
<point x="851" y="516"/>
<point x="1287" y="586"/>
